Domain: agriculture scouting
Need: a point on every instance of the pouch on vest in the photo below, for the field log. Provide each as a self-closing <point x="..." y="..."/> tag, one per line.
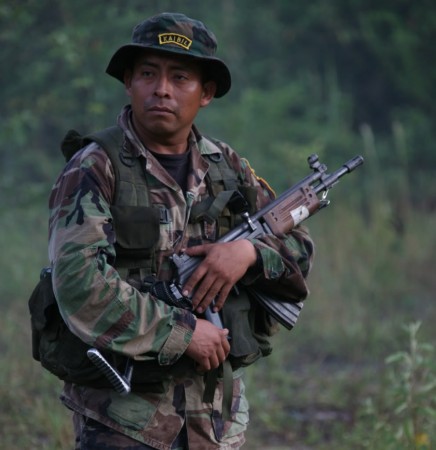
<point x="250" y="327"/>
<point x="135" y="220"/>
<point x="53" y="344"/>
<point x="137" y="230"/>
<point x="63" y="354"/>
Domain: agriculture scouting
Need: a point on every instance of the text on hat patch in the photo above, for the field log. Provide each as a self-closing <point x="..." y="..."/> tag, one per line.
<point x="175" y="39"/>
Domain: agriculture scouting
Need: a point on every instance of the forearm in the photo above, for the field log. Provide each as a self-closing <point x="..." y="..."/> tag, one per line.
<point x="284" y="264"/>
<point x="97" y="305"/>
<point x="108" y="313"/>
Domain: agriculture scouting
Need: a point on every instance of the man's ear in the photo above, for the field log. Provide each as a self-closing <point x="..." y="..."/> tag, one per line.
<point x="209" y="89"/>
<point x="128" y="80"/>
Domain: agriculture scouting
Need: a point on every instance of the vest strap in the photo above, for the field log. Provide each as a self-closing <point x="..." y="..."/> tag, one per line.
<point x="211" y="208"/>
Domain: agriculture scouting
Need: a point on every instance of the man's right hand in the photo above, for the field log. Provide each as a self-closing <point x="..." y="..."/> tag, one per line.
<point x="209" y="346"/>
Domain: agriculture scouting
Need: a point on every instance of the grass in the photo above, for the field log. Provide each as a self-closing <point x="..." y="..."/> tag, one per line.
<point x="313" y="392"/>
<point x="31" y="417"/>
<point x="315" y="386"/>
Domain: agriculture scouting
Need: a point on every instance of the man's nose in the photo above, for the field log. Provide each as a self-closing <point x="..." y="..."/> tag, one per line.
<point x="163" y="86"/>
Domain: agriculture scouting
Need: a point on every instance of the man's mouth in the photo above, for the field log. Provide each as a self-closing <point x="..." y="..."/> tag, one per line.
<point x="161" y="109"/>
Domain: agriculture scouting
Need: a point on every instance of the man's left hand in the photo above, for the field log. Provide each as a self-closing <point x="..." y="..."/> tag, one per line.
<point x="223" y="266"/>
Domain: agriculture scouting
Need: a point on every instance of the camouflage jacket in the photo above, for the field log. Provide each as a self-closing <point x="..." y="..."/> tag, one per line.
<point x="105" y="311"/>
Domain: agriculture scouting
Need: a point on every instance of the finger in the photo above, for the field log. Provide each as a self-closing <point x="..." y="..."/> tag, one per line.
<point x="224" y="351"/>
<point x="208" y="299"/>
<point x="193" y="281"/>
<point x="221" y="297"/>
<point x="197" y="250"/>
<point x="221" y="354"/>
<point x="205" y="293"/>
<point x="226" y="343"/>
<point x="214" y="361"/>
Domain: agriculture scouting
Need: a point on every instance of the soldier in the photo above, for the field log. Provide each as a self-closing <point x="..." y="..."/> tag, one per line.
<point x="114" y="224"/>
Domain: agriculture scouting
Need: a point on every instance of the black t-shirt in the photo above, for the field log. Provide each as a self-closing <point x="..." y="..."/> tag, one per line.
<point x="177" y="166"/>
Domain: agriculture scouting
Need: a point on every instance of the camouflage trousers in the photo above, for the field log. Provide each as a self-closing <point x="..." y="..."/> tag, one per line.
<point x="92" y="435"/>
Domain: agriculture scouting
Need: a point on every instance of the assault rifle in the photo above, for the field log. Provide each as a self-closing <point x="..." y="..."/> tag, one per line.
<point x="281" y="215"/>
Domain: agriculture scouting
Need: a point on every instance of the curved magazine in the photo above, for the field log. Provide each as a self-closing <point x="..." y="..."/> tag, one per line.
<point x="285" y="313"/>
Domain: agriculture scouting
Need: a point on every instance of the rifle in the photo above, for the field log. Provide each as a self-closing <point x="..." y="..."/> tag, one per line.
<point x="280" y="216"/>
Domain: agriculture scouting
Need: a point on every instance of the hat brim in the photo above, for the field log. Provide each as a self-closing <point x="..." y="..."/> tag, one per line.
<point x="215" y="68"/>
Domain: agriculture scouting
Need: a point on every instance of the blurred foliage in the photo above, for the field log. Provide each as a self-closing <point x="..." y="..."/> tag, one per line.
<point x="404" y="414"/>
<point x="333" y="78"/>
<point x="307" y="76"/>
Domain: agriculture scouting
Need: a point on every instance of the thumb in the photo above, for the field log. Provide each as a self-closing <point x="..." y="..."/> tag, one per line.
<point x="226" y="333"/>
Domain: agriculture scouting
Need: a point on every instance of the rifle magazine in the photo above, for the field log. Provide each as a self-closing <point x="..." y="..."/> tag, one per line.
<point x="285" y="313"/>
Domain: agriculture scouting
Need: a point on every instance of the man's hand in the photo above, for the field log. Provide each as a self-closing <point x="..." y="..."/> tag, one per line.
<point x="209" y="346"/>
<point x="223" y="266"/>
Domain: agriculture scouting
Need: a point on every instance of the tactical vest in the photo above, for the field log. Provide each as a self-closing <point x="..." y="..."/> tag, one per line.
<point x="136" y="222"/>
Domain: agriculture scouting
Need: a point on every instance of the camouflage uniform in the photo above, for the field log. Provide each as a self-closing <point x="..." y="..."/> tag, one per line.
<point x="105" y="311"/>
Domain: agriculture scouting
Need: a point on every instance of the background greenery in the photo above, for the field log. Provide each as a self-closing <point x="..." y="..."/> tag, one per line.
<point x="336" y="78"/>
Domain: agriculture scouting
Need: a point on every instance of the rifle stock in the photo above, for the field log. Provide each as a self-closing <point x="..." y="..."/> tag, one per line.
<point x="280" y="216"/>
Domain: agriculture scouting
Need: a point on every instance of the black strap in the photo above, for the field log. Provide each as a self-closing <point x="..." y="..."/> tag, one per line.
<point x="210" y="383"/>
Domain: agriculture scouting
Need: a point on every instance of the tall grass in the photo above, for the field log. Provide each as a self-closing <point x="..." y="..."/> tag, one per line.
<point x="403" y="416"/>
<point x="374" y="272"/>
<point x="31" y="416"/>
<point x="371" y="276"/>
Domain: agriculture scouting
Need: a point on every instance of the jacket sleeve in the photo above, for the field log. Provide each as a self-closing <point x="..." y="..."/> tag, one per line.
<point x="96" y="304"/>
<point x="284" y="261"/>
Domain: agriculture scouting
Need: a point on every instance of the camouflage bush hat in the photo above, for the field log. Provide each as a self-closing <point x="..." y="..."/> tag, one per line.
<point x="174" y="33"/>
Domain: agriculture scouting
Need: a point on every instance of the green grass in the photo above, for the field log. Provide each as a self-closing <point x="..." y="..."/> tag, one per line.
<point x="316" y="385"/>
<point x="31" y="416"/>
<point x="313" y="391"/>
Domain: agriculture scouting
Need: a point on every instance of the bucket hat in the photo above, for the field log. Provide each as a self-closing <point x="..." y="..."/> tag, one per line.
<point x="174" y="33"/>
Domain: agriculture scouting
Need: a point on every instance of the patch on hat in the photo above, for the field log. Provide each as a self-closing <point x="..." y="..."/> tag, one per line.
<point x="175" y="39"/>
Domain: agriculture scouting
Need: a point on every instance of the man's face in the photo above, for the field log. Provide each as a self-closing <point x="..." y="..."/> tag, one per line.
<point x="166" y="93"/>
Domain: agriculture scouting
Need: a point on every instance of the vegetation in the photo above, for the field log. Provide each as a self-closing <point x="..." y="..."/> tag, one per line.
<point x="333" y="78"/>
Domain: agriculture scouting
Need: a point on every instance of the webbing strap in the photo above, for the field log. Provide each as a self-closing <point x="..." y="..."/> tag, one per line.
<point x="227" y="390"/>
<point x="111" y="139"/>
<point x="128" y="170"/>
<point x="210" y="383"/>
<point x="220" y="172"/>
<point x="210" y="209"/>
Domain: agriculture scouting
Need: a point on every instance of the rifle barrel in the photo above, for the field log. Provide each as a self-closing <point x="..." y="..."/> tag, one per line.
<point x="327" y="182"/>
